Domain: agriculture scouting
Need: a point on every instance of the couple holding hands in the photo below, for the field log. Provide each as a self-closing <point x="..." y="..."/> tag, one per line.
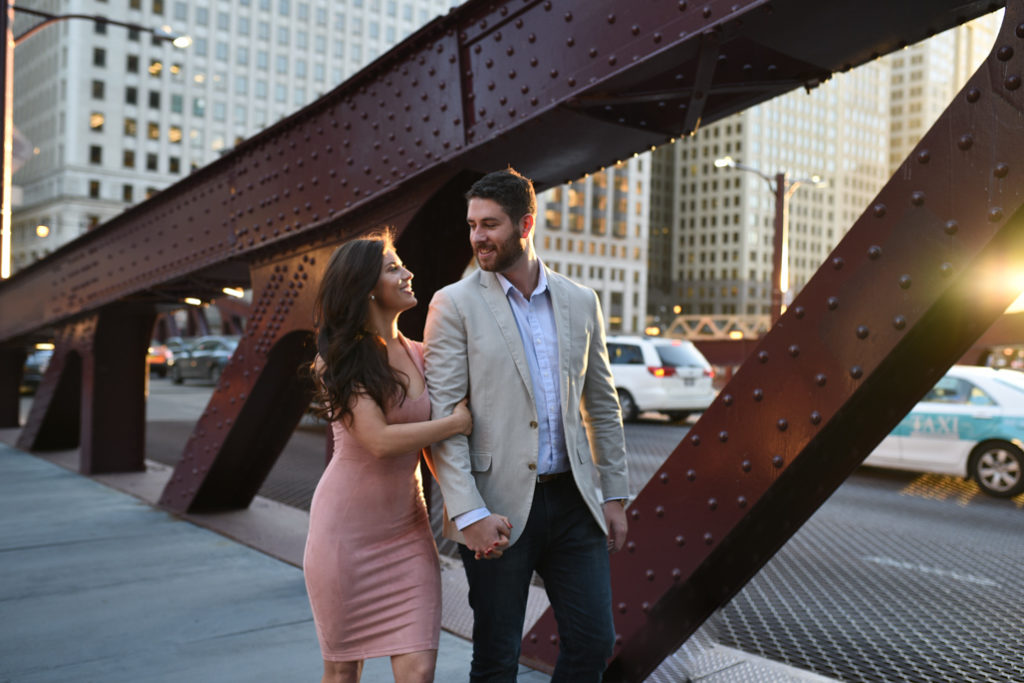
<point x="532" y="469"/>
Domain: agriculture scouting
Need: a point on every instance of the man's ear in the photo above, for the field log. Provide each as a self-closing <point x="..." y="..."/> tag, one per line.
<point x="526" y="225"/>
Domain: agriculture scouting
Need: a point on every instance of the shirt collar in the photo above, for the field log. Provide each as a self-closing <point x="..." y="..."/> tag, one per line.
<point x="542" y="282"/>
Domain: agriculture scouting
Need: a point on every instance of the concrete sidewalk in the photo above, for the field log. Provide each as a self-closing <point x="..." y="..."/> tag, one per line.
<point x="98" y="586"/>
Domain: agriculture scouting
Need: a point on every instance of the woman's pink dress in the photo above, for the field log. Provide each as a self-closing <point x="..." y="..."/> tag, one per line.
<point x="371" y="564"/>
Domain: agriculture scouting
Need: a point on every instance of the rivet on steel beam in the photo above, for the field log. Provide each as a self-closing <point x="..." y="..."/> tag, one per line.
<point x="727" y="399"/>
<point x="723" y="436"/>
<point x="611" y="18"/>
<point x="708" y="538"/>
<point x="1001" y="170"/>
<point x="878" y="210"/>
<point x="815" y="417"/>
<point x="691" y="475"/>
<point x="917" y="198"/>
<point x="622" y="608"/>
<point x="477" y="48"/>
<point x="799" y="312"/>
<point x="510" y="51"/>
<point x="631" y="546"/>
<point x="946" y="269"/>
<point x="611" y="61"/>
<point x="663" y="477"/>
<point x="777" y="461"/>
<point x="832" y="303"/>
<point x="634" y="513"/>
<point x="905" y="282"/>
<point x="856" y="372"/>
<point x="571" y="81"/>
<point x="862" y="332"/>
<point x="965" y="142"/>
<point x="874" y="252"/>
<point x="657" y="37"/>
<point x="762" y="356"/>
<point x="782" y="424"/>
<point x="1012" y="82"/>
<point x="758" y="394"/>
<point x="695" y="439"/>
<point x="645" y="607"/>
<point x="592" y="52"/>
<point x="995" y="214"/>
<point x="659" y="511"/>
<point x="532" y="38"/>
<point x="706" y="12"/>
<point x="533" y="637"/>
<point x="568" y="16"/>
<point x="680" y="540"/>
<point x="570" y="41"/>
<point x="712" y="503"/>
<point x="649" y="574"/>
<point x="745" y="465"/>
<point x="554" y="73"/>
<point x="794" y="350"/>
<point x="553" y="639"/>
<point x="489" y="63"/>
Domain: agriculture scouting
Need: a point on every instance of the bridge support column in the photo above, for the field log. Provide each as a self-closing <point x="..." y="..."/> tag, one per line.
<point x="12" y="364"/>
<point x="93" y="392"/>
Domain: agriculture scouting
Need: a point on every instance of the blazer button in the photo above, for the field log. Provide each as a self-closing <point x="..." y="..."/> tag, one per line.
<point x="532" y="465"/>
<point x="533" y="424"/>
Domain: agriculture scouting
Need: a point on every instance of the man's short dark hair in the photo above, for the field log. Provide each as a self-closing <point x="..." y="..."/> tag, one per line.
<point x="512" y="191"/>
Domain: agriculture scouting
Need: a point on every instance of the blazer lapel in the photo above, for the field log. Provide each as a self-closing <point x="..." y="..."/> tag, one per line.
<point x="494" y="296"/>
<point x="563" y="325"/>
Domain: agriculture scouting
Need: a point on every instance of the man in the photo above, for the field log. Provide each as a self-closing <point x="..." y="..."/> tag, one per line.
<point x="540" y="484"/>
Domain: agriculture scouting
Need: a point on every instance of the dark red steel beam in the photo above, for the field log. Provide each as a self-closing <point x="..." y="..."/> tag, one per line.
<point x="923" y="273"/>
<point x="491" y="83"/>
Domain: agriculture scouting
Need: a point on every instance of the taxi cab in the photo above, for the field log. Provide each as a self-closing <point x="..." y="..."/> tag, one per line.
<point x="970" y="424"/>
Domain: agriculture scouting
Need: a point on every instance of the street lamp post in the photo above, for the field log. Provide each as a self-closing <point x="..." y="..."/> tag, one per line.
<point x="7" y="104"/>
<point x="782" y="188"/>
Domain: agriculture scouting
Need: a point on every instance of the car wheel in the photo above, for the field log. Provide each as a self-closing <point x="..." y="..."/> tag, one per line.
<point x="176" y="375"/>
<point x="215" y="372"/>
<point x="998" y="467"/>
<point x="629" y="410"/>
<point x="677" y="415"/>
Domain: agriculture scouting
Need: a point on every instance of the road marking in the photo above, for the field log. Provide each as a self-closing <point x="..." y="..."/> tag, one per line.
<point x="934" y="571"/>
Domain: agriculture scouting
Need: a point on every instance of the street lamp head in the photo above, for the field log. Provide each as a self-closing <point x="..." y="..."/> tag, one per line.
<point x="725" y="162"/>
<point x="178" y="40"/>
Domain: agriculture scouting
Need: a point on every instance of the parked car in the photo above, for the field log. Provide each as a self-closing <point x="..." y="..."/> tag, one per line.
<point x="35" y="367"/>
<point x="204" y="359"/>
<point x="669" y="376"/>
<point x="971" y="424"/>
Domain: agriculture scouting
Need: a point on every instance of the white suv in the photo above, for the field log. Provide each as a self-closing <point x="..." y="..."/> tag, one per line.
<point x="666" y="375"/>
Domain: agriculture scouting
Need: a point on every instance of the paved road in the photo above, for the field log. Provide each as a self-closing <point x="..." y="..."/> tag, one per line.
<point x="898" y="577"/>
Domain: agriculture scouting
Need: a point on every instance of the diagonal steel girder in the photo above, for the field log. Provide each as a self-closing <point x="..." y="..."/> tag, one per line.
<point x="924" y="271"/>
<point x="556" y="87"/>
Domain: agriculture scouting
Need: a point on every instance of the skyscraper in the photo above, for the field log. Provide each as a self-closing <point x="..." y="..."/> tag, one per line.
<point x="115" y="116"/>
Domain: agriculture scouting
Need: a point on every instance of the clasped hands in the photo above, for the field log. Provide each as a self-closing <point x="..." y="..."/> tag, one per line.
<point x="488" y="537"/>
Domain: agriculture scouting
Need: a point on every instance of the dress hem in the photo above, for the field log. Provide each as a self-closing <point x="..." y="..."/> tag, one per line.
<point x="386" y="652"/>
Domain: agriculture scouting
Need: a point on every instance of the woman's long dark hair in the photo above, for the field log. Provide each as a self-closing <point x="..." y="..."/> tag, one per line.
<point x="355" y="358"/>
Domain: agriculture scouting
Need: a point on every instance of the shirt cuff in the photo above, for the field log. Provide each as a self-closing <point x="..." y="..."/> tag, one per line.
<point x="624" y="499"/>
<point x="471" y="517"/>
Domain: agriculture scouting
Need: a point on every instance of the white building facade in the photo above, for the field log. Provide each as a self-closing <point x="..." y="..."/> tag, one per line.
<point x="115" y="117"/>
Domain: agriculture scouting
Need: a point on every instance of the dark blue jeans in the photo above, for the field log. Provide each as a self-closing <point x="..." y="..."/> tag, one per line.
<point x="564" y="544"/>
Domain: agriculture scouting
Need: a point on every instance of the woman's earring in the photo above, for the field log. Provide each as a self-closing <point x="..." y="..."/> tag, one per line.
<point x="373" y="298"/>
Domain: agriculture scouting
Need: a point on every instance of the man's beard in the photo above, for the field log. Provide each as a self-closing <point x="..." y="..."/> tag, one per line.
<point x="505" y="255"/>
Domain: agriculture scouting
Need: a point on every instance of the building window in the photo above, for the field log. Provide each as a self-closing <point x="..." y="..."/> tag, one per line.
<point x="99" y="26"/>
<point x="127" y="193"/>
<point x="131" y="127"/>
<point x="128" y="159"/>
<point x="131" y="95"/>
<point x="97" y="90"/>
<point x="95" y="154"/>
<point x="158" y="6"/>
<point x="133" y="35"/>
<point x="223" y="21"/>
<point x="154" y="99"/>
<point x="94" y="191"/>
<point x="156" y="67"/>
<point x="96" y="120"/>
<point x="174" y="134"/>
<point x="151" y="192"/>
<point x="99" y="56"/>
<point x="151" y="162"/>
<point x="132" y="64"/>
<point x="174" y="165"/>
<point x="177" y="104"/>
<point x="153" y="130"/>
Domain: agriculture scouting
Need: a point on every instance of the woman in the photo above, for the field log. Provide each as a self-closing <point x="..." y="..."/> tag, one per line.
<point x="371" y="564"/>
